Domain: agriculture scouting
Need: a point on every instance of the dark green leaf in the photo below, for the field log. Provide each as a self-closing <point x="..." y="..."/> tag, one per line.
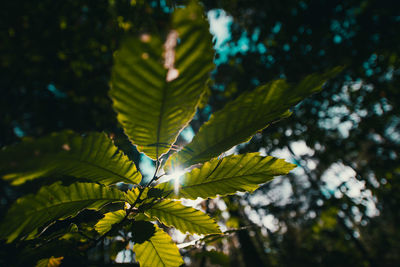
<point x="51" y="203"/>
<point x="93" y="157"/>
<point x="154" y="192"/>
<point x="142" y="231"/>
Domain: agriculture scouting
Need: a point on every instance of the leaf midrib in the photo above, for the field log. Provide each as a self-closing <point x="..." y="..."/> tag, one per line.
<point x="155" y="249"/>
<point x="160" y="116"/>
<point x="123" y="178"/>
<point x="69" y="202"/>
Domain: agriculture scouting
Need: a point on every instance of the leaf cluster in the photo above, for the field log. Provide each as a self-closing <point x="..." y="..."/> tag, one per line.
<point x="157" y="84"/>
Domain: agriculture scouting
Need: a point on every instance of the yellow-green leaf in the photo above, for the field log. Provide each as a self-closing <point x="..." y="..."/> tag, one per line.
<point x="132" y="195"/>
<point x="93" y="157"/>
<point x="158" y="251"/>
<point x="185" y="219"/>
<point x="156" y="87"/>
<point x="50" y="262"/>
<point x="240" y="119"/>
<point x="104" y="224"/>
<point x="227" y="176"/>
<point x="51" y="203"/>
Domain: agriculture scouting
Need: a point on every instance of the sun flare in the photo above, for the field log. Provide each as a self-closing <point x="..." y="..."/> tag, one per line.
<point x="174" y="176"/>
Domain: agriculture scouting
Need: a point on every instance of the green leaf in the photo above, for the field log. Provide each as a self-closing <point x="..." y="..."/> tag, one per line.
<point x="240" y="119"/>
<point x="50" y="262"/>
<point x="105" y="224"/>
<point x="227" y="176"/>
<point x="185" y="219"/>
<point x="142" y="230"/>
<point x="132" y="195"/>
<point x="143" y="217"/>
<point x="93" y="157"/>
<point x="51" y="203"/>
<point x="158" y="251"/>
<point x="152" y="107"/>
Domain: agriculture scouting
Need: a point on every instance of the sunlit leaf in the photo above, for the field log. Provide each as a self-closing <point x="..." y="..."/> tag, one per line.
<point x="156" y="93"/>
<point x="105" y="224"/>
<point x="50" y="262"/>
<point x="93" y="157"/>
<point x="158" y="251"/>
<point x="185" y="219"/>
<point x="227" y="176"/>
<point x="240" y="119"/>
<point x="54" y="202"/>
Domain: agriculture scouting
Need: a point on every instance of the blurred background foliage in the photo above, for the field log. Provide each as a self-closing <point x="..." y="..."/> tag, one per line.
<point x="338" y="208"/>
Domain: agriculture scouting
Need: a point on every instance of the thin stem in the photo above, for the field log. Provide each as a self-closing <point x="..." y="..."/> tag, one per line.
<point x="155" y="178"/>
<point x="95" y="241"/>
